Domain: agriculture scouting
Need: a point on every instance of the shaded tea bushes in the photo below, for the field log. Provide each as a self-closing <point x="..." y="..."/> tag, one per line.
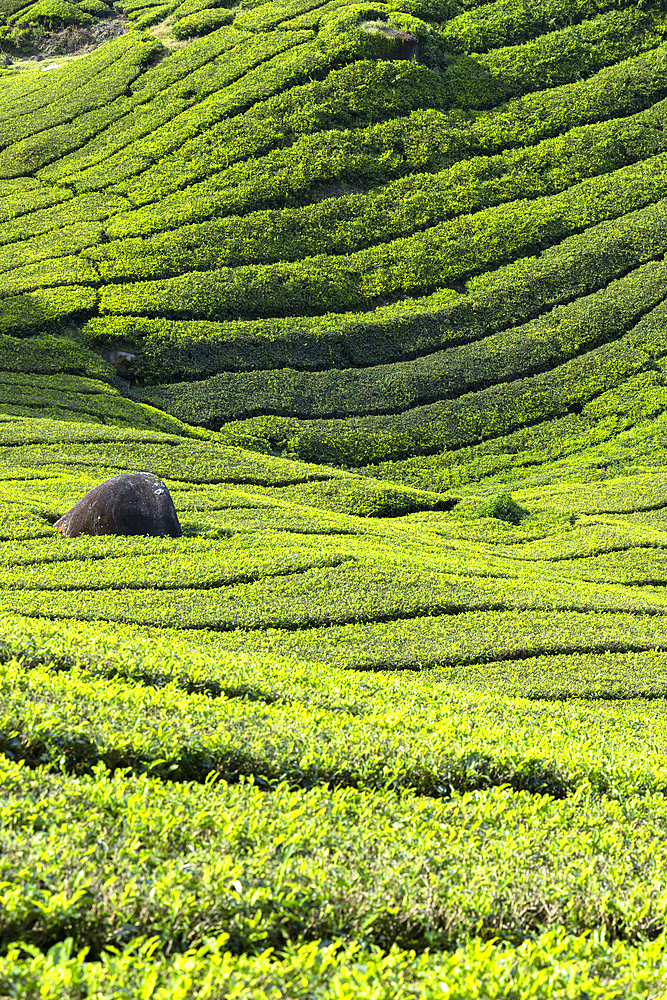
<point x="45" y="309"/>
<point x="500" y="23"/>
<point x="74" y="398"/>
<point x="473" y="417"/>
<point x="619" y="430"/>
<point x="517" y="291"/>
<point x="50" y="355"/>
<point x="541" y="343"/>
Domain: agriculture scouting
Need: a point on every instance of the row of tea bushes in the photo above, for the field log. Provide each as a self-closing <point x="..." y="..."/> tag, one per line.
<point x="66" y="271"/>
<point x="50" y="355"/>
<point x="28" y="223"/>
<point x="191" y="456"/>
<point x="75" y="398"/>
<point x="240" y="560"/>
<point x="502" y="22"/>
<point x="200" y="22"/>
<point x="46" y="309"/>
<point x="511" y="294"/>
<point x="203" y="68"/>
<point x="352" y="221"/>
<point x="553" y="59"/>
<point x="542" y="343"/>
<point x="268" y="863"/>
<point x="541" y="655"/>
<point x="47" y="134"/>
<point x="24" y="194"/>
<point x="25" y="94"/>
<point x="549" y="966"/>
<point x="47" y="246"/>
<point x="103" y="79"/>
<point x="49" y="15"/>
<point x="371" y="589"/>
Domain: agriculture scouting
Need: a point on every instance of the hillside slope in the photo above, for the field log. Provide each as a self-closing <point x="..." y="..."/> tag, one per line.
<point x="323" y="745"/>
<point x="329" y="250"/>
<point x="380" y="292"/>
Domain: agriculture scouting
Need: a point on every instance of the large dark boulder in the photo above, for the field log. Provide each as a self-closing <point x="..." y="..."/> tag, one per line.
<point x="134" y="503"/>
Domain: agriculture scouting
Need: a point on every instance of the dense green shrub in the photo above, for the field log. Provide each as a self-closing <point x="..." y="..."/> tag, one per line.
<point x="202" y="67"/>
<point x="32" y="140"/>
<point x="261" y="69"/>
<point x="504" y="22"/>
<point x="48" y="355"/>
<point x="175" y="350"/>
<point x="504" y="508"/>
<point x="201" y="23"/>
<point x="72" y="398"/>
<point x="45" y="309"/>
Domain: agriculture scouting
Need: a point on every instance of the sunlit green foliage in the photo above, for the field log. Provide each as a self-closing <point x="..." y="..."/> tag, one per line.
<point x="380" y="293"/>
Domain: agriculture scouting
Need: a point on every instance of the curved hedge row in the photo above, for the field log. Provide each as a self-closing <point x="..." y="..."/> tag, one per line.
<point x="454" y="424"/>
<point x="439" y="256"/>
<point x="173" y="350"/>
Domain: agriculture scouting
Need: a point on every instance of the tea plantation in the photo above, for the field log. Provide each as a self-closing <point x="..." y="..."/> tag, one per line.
<point x="380" y="292"/>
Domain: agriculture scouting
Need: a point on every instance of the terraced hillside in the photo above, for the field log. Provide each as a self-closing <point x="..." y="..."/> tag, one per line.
<point x="328" y="250"/>
<point x="379" y="292"/>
